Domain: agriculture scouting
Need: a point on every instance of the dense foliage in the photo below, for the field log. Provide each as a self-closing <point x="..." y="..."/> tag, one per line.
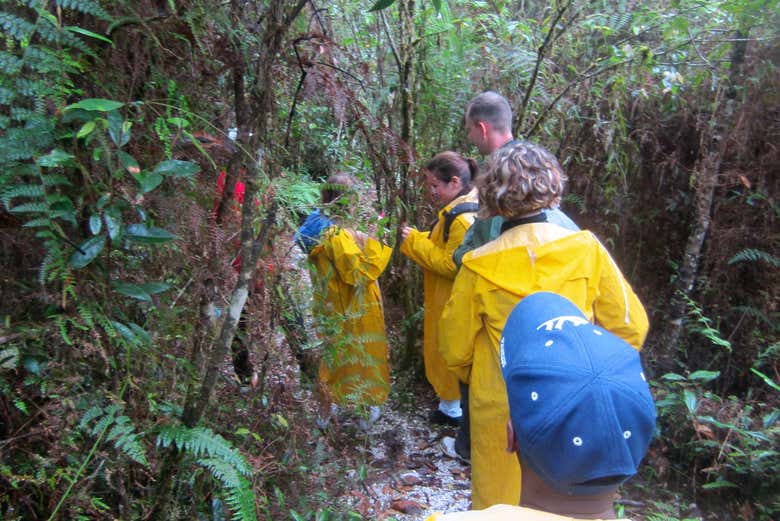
<point x="130" y="276"/>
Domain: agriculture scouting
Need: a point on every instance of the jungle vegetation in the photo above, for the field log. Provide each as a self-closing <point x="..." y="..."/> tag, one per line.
<point x="129" y="327"/>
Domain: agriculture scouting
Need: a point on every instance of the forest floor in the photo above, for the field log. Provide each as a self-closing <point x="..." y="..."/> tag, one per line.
<point x="394" y="470"/>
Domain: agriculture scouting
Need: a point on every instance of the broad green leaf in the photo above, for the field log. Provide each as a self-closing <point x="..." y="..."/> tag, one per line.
<point x="177" y="168"/>
<point x="125" y="331"/>
<point x="113" y="219"/>
<point x="381" y="4"/>
<point x="132" y="290"/>
<point x="704" y="375"/>
<point x="95" y="224"/>
<point x="118" y="129"/>
<point x="673" y="377"/>
<point x="56" y="157"/>
<point x="155" y="287"/>
<point x="86" y="129"/>
<point x="140" y="333"/>
<point x="79" y="30"/>
<point x="689" y="398"/>
<point x="87" y="252"/>
<point x="148" y="180"/>
<point x="97" y="104"/>
<point x="148" y="234"/>
<point x="128" y="162"/>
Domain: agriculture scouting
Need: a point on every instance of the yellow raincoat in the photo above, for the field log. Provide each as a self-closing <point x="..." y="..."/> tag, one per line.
<point x="435" y="258"/>
<point x="354" y="366"/>
<point x="522" y="260"/>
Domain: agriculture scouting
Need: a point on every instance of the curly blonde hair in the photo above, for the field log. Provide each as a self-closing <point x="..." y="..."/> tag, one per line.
<point x="521" y="178"/>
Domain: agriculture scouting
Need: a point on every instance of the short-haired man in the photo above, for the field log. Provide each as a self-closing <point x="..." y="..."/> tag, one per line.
<point x="581" y="413"/>
<point x="488" y="121"/>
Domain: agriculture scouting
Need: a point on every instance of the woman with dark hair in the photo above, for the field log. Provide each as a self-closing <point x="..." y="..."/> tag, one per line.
<point x="346" y="264"/>
<point x="531" y="254"/>
<point x="449" y="179"/>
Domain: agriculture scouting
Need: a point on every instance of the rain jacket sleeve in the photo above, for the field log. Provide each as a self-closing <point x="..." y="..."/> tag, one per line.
<point x="353" y="265"/>
<point x="461" y="321"/>
<point x="616" y="307"/>
<point x="423" y="251"/>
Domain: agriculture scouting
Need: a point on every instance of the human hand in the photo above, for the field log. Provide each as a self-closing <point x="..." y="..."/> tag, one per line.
<point x="405" y="231"/>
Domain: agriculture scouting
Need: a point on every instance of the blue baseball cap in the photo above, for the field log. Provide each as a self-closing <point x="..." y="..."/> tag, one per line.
<point x="579" y="402"/>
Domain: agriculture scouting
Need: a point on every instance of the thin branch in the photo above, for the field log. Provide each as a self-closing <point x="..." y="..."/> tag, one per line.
<point x="390" y="40"/>
<point x="539" y="58"/>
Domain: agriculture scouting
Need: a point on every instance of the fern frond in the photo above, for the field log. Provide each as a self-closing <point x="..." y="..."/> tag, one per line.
<point x="122" y="431"/>
<point x="30" y="191"/>
<point x="32" y="88"/>
<point x="55" y="180"/>
<point x="755" y="255"/>
<point x="15" y="27"/>
<point x="86" y="7"/>
<point x="201" y="441"/>
<point x="37" y="223"/>
<point x="52" y="34"/>
<point x="44" y="61"/>
<point x="34" y="207"/>
<point x="240" y="497"/>
<point x="92" y="413"/>
<point x="10" y="65"/>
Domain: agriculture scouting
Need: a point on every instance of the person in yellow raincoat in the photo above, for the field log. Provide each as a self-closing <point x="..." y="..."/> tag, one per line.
<point x="346" y="263"/>
<point x="530" y="255"/>
<point x="449" y="180"/>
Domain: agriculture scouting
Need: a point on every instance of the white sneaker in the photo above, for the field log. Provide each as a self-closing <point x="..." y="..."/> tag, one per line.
<point x="447" y="446"/>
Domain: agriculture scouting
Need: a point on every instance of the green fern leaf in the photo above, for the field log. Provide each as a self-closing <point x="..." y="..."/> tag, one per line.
<point x="240" y="497"/>
<point x="86" y="7"/>
<point x="30" y="208"/>
<point x="201" y="441"/>
<point x="92" y="413"/>
<point x="15" y="27"/>
<point x="755" y="255"/>
<point x="9" y="64"/>
<point x="22" y="191"/>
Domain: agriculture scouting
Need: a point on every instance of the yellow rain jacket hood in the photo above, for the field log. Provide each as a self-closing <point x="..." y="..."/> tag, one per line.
<point x="522" y="260"/>
<point x="434" y="256"/>
<point x="354" y="365"/>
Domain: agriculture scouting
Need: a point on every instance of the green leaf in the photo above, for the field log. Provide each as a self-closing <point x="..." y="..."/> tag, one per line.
<point x="113" y="219"/>
<point x="689" y="398"/>
<point x="177" y="168"/>
<point x="704" y="375"/>
<point x="132" y="290"/>
<point x="381" y="4"/>
<point x="673" y="377"/>
<point x="140" y="333"/>
<point x="148" y="181"/>
<point x="721" y="483"/>
<point x="153" y="288"/>
<point x="118" y="129"/>
<point x="86" y="129"/>
<point x="87" y="252"/>
<point x="96" y="104"/>
<point x="95" y="224"/>
<point x="90" y="34"/>
<point x="148" y="234"/>
<point x="56" y="157"/>
<point x="771" y="383"/>
<point x="128" y="162"/>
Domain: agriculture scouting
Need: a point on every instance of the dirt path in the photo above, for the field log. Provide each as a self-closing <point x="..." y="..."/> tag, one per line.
<point x="399" y="469"/>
